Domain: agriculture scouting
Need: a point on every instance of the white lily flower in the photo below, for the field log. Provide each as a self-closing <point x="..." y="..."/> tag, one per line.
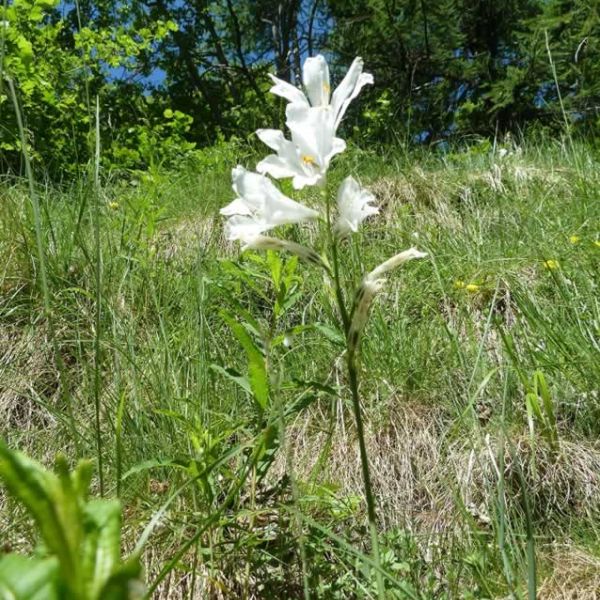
<point x="307" y="156"/>
<point x="353" y="206"/>
<point x="259" y="206"/>
<point x="315" y="77"/>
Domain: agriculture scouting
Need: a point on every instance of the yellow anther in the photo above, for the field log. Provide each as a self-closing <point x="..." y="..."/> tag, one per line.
<point x="309" y="160"/>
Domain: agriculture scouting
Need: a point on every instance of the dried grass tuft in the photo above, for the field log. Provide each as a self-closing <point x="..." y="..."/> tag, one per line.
<point x="575" y="575"/>
<point x="26" y="372"/>
<point x="423" y="481"/>
<point x="558" y="484"/>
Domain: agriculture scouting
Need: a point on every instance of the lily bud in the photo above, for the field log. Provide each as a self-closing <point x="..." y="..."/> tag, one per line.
<point x="263" y="242"/>
<point x="371" y="285"/>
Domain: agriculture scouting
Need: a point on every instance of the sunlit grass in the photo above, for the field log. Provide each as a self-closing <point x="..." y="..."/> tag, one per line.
<point x="467" y="484"/>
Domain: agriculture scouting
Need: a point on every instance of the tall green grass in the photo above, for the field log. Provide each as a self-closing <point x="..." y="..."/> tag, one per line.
<point x="111" y="304"/>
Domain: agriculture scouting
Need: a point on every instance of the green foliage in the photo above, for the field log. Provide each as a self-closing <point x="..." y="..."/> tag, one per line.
<point x="172" y="78"/>
<point x="459" y="67"/>
<point x="81" y="538"/>
<point x="540" y="411"/>
<point x="58" y="71"/>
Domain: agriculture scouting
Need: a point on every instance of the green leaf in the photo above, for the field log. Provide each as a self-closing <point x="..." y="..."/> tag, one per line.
<point x="153" y="464"/>
<point x="24" y="578"/>
<point x="234" y="376"/>
<point x="40" y="491"/>
<point x="25" y="49"/>
<point x="257" y="371"/>
<point x="102" y="544"/>
<point x="333" y="335"/>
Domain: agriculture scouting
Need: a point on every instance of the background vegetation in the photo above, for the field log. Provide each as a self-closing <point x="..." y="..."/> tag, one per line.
<point x="172" y="76"/>
<point x="120" y="305"/>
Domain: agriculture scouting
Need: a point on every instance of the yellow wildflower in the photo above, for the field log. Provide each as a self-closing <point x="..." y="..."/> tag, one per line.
<point x="574" y="239"/>
<point x="459" y="284"/>
<point x="472" y="288"/>
<point x="113" y="205"/>
<point x="551" y="264"/>
<point x="597" y="243"/>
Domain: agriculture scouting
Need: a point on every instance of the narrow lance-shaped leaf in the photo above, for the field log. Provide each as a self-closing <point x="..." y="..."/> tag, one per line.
<point x="257" y="371"/>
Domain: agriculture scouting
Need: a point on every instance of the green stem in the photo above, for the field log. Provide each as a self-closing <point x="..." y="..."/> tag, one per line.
<point x="364" y="461"/>
<point x="339" y="294"/>
<point x="98" y="332"/>
<point x="338" y="288"/>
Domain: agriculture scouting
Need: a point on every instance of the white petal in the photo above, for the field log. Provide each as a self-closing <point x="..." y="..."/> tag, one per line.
<point x="315" y="76"/>
<point x="273" y="138"/>
<point x="338" y="145"/>
<point x="260" y="206"/>
<point x="312" y="132"/>
<point x="287" y="90"/>
<point x="286" y="163"/>
<point x="301" y="181"/>
<point x="301" y="123"/>
<point x="237" y="207"/>
<point x="349" y="88"/>
<point x="250" y="187"/>
<point x="353" y="206"/>
<point x="346" y="193"/>
<point x="240" y="228"/>
<point x="281" y="210"/>
<point x="276" y="167"/>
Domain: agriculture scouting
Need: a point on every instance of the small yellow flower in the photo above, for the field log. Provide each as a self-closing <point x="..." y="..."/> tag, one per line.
<point x="574" y="239"/>
<point x="551" y="264"/>
<point x="472" y="288"/>
<point x="113" y="205"/>
<point x="597" y="243"/>
<point x="459" y="284"/>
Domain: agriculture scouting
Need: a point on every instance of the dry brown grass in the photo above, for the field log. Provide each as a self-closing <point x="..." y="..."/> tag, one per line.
<point x="559" y="484"/>
<point x="575" y="575"/>
<point x="423" y="477"/>
<point x="27" y="373"/>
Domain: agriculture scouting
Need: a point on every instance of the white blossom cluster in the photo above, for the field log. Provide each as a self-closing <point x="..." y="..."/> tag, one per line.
<point x="312" y="119"/>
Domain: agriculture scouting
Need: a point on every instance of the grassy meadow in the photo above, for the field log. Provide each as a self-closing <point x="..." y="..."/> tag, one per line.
<point x="480" y="376"/>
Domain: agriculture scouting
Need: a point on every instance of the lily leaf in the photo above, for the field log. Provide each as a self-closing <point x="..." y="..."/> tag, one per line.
<point x="24" y="578"/>
<point x="257" y="371"/>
